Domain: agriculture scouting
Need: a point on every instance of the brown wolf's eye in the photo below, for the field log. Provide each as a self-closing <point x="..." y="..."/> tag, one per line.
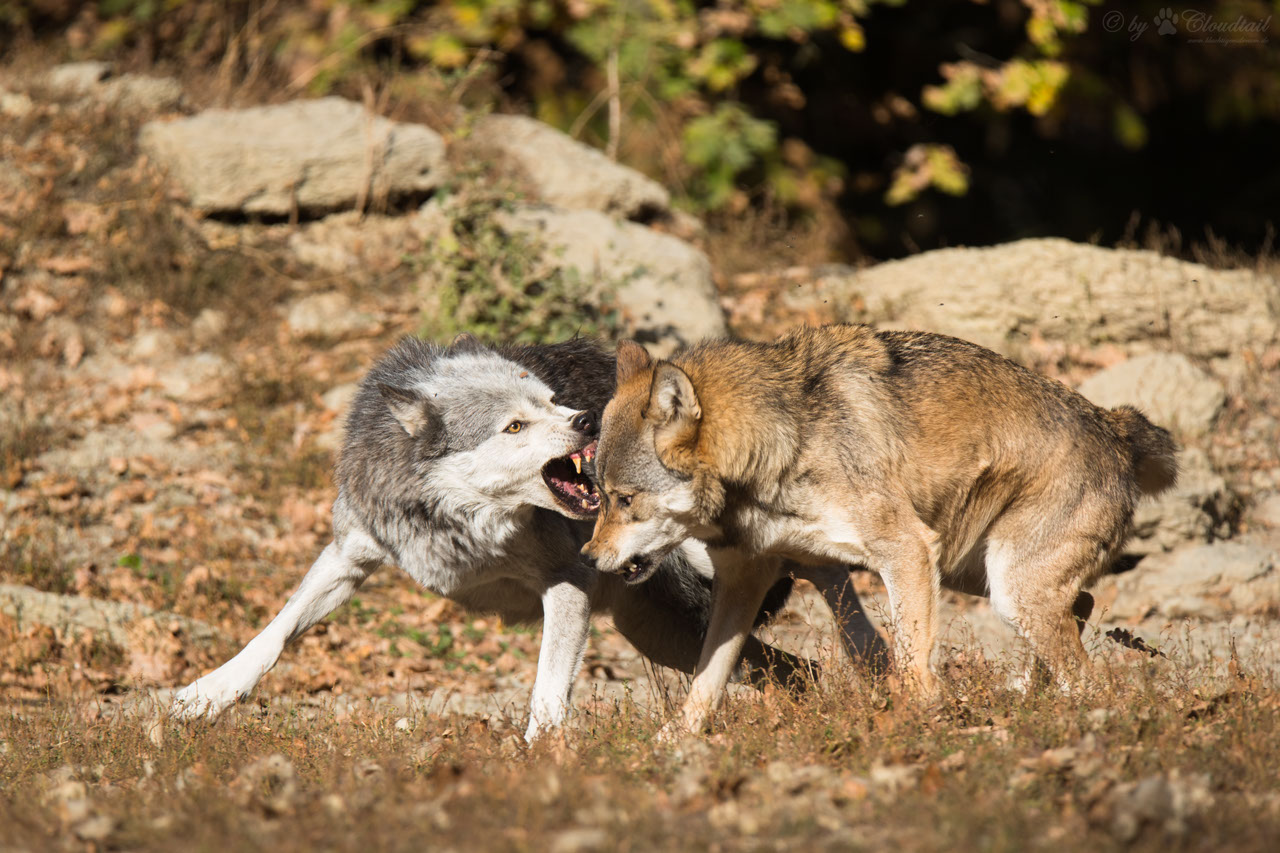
<point x="514" y="427"/>
<point x="624" y="500"/>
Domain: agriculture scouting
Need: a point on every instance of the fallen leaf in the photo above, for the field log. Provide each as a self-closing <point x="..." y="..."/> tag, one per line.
<point x="66" y="264"/>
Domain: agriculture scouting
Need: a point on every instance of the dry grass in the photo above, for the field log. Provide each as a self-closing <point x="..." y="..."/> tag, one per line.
<point x="837" y="768"/>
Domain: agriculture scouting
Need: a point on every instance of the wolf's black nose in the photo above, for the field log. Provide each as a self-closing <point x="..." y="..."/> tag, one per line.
<point x="583" y="422"/>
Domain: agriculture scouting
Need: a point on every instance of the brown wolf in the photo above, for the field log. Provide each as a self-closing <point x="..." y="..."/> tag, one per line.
<point x="928" y="459"/>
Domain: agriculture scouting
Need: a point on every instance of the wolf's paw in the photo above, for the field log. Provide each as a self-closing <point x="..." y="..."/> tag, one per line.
<point x="205" y="698"/>
<point x="1164" y="21"/>
<point x="672" y="734"/>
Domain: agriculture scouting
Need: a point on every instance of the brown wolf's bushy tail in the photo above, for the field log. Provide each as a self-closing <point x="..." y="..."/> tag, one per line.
<point x="1155" y="461"/>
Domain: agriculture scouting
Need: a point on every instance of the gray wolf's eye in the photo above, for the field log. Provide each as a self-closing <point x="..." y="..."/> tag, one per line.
<point x="514" y="427"/>
<point x="555" y="401"/>
<point x="625" y="500"/>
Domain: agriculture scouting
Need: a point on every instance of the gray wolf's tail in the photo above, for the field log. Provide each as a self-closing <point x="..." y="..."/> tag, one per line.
<point x="1155" y="462"/>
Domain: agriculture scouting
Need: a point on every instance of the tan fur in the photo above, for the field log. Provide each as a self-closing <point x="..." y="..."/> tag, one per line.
<point x="928" y="459"/>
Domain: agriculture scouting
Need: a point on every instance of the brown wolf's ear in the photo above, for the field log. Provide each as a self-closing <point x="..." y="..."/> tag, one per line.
<point x="671" y="397"/>
<point x="414" y="413"/>
<point x="676" y="415"/>
<point x="633" y="360"/>
<point x="466" y="342"/>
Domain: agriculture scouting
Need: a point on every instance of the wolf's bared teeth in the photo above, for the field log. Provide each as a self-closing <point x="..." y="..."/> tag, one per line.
<point x="585" y="503"/>
<point x="577" y="462"/>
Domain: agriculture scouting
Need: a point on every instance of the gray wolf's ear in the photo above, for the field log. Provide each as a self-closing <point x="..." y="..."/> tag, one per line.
<point x="413" y="411"/>
<point x="466" y="342"/>
<point x="633" y="360"/>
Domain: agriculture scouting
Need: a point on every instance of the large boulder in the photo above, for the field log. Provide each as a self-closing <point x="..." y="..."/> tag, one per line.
<point x="661" y="284"/>
<point x="1167" y="387"/>
<point x="998" y="296"/>
<point x="566" y="173"/>
<point x="1199" y="582"/>
<point x="316" y="155"/>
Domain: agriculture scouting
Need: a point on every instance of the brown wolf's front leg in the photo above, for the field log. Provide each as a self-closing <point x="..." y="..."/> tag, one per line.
<point x="908" y="566"/>
<point x="737" y="592"/>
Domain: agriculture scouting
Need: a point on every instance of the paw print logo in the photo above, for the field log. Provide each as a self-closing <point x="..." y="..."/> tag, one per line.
<point x="1164" y="19"/>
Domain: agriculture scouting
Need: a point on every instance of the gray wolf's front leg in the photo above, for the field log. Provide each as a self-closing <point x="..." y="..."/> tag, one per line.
<point x="330" y="583"/>
<point x="863" y="643"/>
<point x="566" y="614"/>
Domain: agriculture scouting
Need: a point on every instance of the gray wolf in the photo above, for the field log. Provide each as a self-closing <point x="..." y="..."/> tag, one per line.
<point x="928" y="459"/>
<point x="463" y="466"/>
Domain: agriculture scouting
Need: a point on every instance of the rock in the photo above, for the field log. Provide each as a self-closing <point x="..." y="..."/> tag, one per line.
<point x="15" y="104"/>
<point x="74" y="615"/>
<point x="69" y="797"/>
<point x="92" y="82"/>
<point x="1167" y="804"/>
<point x="1266" y="510"/>
<point x="314" y="155"/>
<point x="997" y="296"/>
<point x="1198" y="508"/>
<point x="152" y="344"/>
<point x="662" y="285"/>
<point x="73" y="79"/>
<point x="15" y="185"/>
<point x="209" y="326"/>
<point x="197" y="378"/>
<point x="1166" y="387"/>
<point x="270" y="783"/>
<point x="350" y="243"/>
<point x="338" y="398"/>
<point x="895" y="778"/>
<point x="135" y="92"/>
<point x="326" y="256"/>
<point x="581" y="839"/>
<point x="89" y="459"/>
<point x="329" y="315"/>
<point x="568" y="174"/>
<point x="1199" y="582"/>
<point x="95" y="828"/>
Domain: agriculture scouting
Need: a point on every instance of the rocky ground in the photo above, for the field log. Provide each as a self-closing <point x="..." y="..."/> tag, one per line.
<point x="188" y="296"/>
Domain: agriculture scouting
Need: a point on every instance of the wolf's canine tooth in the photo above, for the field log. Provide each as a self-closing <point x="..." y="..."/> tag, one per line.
<point x="577" y="462"/>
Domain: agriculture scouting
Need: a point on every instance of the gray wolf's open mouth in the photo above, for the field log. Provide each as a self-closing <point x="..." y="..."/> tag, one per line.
<point x="571" y="488"/>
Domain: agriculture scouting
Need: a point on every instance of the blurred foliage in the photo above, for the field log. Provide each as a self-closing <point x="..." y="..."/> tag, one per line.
<point x="791" y="102"/>
<point x="479" y="277"/>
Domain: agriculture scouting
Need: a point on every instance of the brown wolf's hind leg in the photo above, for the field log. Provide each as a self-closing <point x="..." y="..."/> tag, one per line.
<point x="1040" y="596"/>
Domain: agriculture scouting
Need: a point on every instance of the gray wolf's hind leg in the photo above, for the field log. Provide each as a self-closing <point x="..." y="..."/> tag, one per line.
<point x="328" y="584"/>
<point x="861" y="641"/>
